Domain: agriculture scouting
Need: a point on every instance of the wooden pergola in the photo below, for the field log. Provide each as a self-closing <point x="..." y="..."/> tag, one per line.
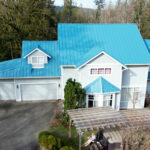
<point x="105" y="117"/>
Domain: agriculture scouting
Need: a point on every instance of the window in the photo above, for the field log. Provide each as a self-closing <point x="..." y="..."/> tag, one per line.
<point x="107" y="100"/>
<point x="37" y="60"/>
<point x="99" y="71"/>
<point x="128" y="94"/>
<point x="107" y="70"/>
<point x="94" y="71"/>
<point x="91" y="101"/>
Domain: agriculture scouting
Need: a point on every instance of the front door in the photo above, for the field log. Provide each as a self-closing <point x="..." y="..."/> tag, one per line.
<point x="91" y="101"/>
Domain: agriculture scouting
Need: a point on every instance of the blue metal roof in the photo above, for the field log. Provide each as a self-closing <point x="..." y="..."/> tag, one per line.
<point x="101" y="85"/>
<point x="147" y="43"/>
<point x="20" y="67"/>
<point x="80" y="42"/>
<point x="149" y="76"/>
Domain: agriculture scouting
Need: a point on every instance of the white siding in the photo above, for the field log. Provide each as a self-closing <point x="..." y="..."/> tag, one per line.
<point x="84" y="77"/>
<point x="67" y="72"/>
<point x="11" y="89"/>
<point x="102" y="61"/>
<point x="7" y="90"/>
<point x="135" y="77"/>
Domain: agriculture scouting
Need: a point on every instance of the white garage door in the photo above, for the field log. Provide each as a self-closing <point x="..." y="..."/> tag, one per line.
<point x="39" y="91"/>
<point x="7" y="91"/>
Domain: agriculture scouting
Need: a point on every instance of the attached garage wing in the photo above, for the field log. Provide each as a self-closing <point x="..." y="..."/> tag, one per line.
<point x="7" y="91"/>
<point x="39" y="91"/>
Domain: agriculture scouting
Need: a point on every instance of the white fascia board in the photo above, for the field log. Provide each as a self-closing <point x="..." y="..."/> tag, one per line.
<point x="36" y="49"/>
<point x="102" y="93"/>
<point x="54" y="77"/>
<point x="137" y="64"/>
<point x="99" y="55"/>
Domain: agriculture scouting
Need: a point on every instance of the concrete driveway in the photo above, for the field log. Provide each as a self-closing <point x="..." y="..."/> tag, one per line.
<point x="21" y="122"/>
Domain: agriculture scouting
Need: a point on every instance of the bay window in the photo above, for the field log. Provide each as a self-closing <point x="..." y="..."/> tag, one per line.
<point x="107" y="100"/>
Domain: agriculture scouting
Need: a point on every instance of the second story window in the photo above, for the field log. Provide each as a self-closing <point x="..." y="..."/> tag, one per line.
<point x="107" y="70"/>
<point x="37" y="60"/>
<point x="100" y="71"/>
<point x="94" y="71"/>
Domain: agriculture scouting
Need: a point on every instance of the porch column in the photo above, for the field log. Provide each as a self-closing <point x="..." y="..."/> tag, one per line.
<point x="80" y="139"/>
<point x="101" y="99"/>
<point x="86" y="101"/>
<point x="114" y="101"/>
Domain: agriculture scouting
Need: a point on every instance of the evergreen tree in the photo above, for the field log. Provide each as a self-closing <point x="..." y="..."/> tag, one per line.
<point x="67" y="11"/>
<point x="139" y="6"/>
<point x="25" y="20"/>
<point x="145" y="20"/>
<point x="100" y="6"/>
<point x="74" y="95"/>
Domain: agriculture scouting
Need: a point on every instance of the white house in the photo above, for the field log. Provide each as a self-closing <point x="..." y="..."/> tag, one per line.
<point x="111" y="61"/>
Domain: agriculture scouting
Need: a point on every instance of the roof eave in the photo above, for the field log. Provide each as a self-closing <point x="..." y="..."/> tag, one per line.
<point x="34" y="51"/>
<point x="125" y="67"/>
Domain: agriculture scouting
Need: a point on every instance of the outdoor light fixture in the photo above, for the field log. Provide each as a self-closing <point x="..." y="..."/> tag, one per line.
<point x="17" y="86"/>
<point x="58" y="85"/>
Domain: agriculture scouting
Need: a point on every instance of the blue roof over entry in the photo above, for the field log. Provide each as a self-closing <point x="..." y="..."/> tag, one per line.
<point x="101" y="85"/>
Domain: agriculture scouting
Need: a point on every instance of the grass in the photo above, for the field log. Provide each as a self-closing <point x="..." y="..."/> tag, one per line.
<point x="62" y="133"/>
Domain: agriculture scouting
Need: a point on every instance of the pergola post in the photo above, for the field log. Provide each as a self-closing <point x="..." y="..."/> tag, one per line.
<point x="69" y="133"/>
<point x="80" y="140"/>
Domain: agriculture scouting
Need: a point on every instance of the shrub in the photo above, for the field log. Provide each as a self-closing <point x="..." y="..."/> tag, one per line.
<point x="59" y="143"/>
<point x="49" y="141"/>
<point x="66" y="148"/>
<point x="65" y="120"/>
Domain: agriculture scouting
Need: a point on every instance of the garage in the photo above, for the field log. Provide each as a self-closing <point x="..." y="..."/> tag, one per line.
<point x="39" y="91"/>
<point x="7" y="91"/>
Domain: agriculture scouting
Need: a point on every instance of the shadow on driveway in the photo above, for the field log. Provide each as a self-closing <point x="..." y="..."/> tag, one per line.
<point x="21" y="122"/>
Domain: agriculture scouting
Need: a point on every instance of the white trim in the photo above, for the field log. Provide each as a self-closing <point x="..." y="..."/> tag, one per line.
<point x="54" y="77"/>
<point x="103" y="64"/>
<point x="133" y="86"/>
<point x="7" y="82"/>
<point x="99" y="55"/>
<point x="62" y="81"/>
<point x="36" y="49"/>
<point x="137" y="64"/>
<point x="39" y="83"/>
<point x="102" y="93"/>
